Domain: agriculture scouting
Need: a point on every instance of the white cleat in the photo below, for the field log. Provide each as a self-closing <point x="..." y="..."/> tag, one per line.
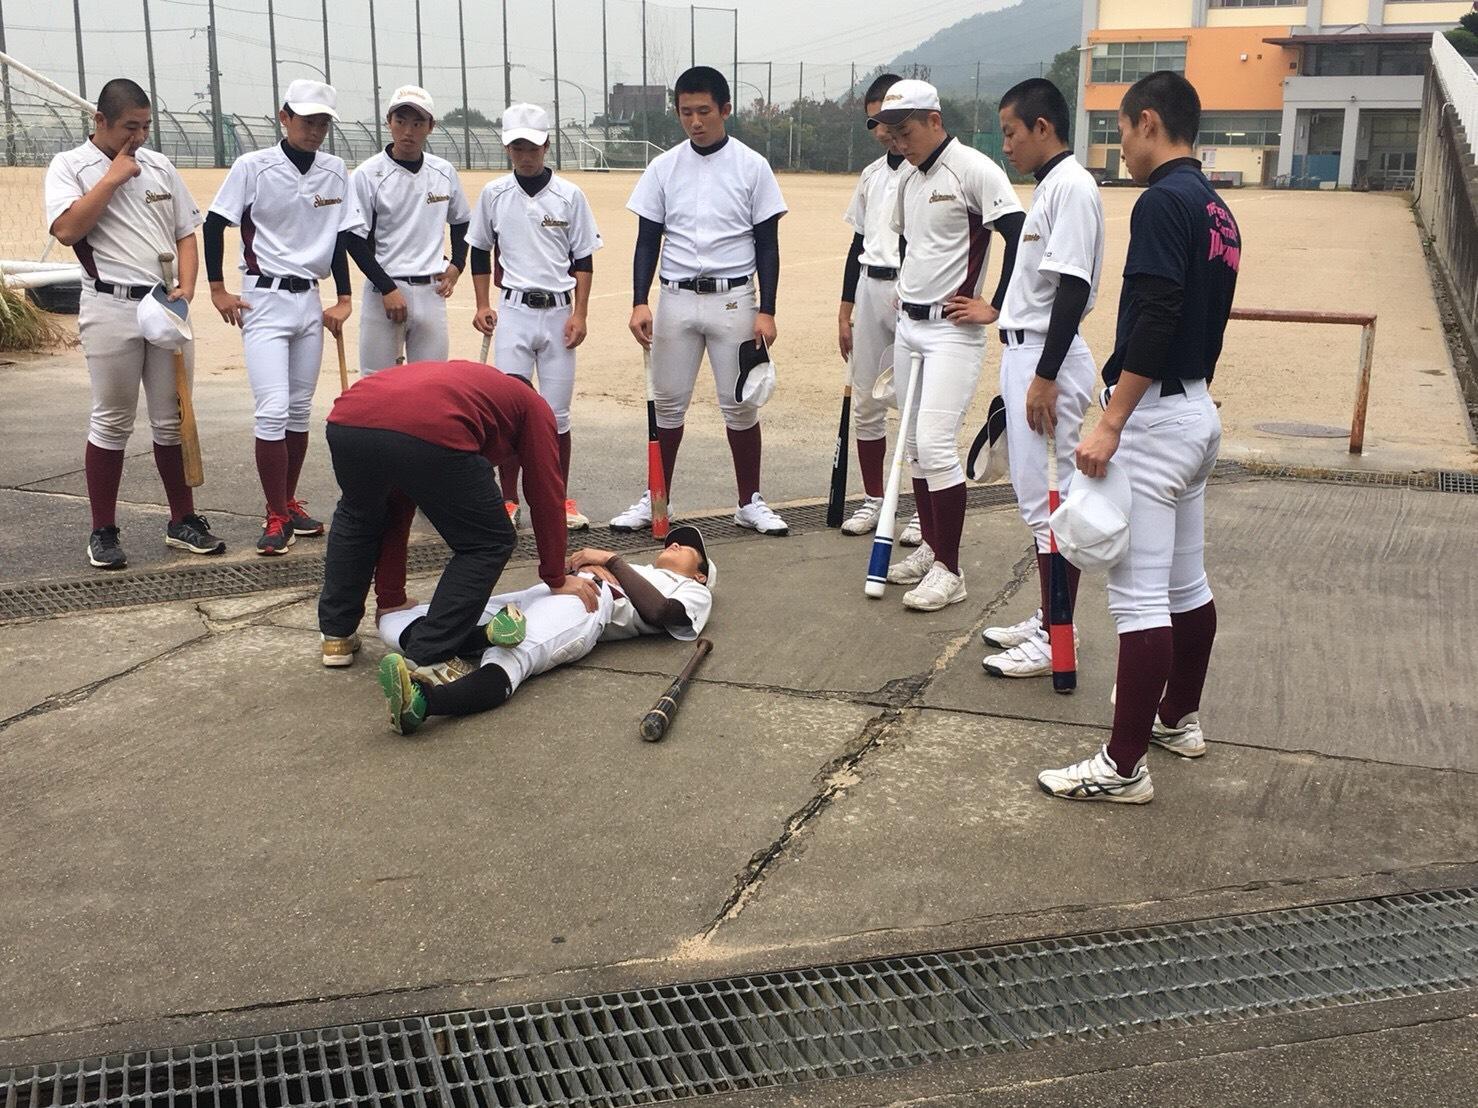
<point x="1184" y="739"/>
<point x="1098" y="779"/>
<point x="758" y="516"/>
<point x="911" y="570"/>
<point x="1004" y="638"/>
<point x="638" y="517"/>
<point x="939" y="589"/>
<point x="913" y="534"/>
<point x="1029" y="658"/>
<point x="865" y="518"/>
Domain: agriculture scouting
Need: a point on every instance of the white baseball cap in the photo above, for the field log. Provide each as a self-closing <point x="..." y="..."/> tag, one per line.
<point x="525" y="121"/>
<point x="306" y="97"/>
<point x="164" y="322"/>
<point x="905" y="98"/>
<point x="1092" y="522"/>
<point x="411" y="96"/>
<point x="756" y="382"/>
<point x="988" y="460"/>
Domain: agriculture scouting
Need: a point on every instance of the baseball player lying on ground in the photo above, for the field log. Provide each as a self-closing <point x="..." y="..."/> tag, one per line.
<point x="523" y="634"/>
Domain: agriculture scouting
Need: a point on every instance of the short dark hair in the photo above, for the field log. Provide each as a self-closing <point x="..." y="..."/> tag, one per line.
<point x="118" y="96"/>
<point x="1172" y="97"/>
<point x="701" y="79"/>
<point x="1038" y="98"/>
<point x="879" y="87"/>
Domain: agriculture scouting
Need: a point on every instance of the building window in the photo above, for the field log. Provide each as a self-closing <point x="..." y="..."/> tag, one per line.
<point x="1369" y="59"/>
<point x="1116" y="63"/>
<point x="1103" y="129"/>
<point x="1240" y="128"/>
<point x="1258" y="3"/>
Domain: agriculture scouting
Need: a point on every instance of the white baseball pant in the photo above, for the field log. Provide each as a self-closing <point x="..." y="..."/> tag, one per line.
<point x="1168" y="447"/>
<point x="425" y="328"/>
<point x="686" y="324"/>
<point x="283" y="337"/>
<point x="118" y="361"/>
<point x="558" y="630"/>
<point x="530" y="343"/>
<point x="952" y="362"/>
<point x="874" y="323"/>
<point x="1026" y="450"/>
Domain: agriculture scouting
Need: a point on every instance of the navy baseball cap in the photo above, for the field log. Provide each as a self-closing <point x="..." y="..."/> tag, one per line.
<point x="688" y="535"/>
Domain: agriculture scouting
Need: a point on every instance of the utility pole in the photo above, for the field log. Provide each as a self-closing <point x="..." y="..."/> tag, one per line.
<point x="215" y="91"/>
<point x="737" y="97"/>
<point x="554" y="36"/>
<point x="796" y="126"/>
<point x="271" y="48"/>
<point x="153" y="95"/>
<point x="769" y="85"/>
<point x="375" y="77"/>
<point x="975" y="126"/>
<point x="81" y="66"/>
<point x="642" y="100"/>
<point x="5" y="83"/>
<point x="507" y="68"/>
<point x="693" y="34"/>
<point x="852" y="126"/>
<point x="327" y="74"/>
<point x="420" y="72"/>
<point x="605" y="75"/>
<point x="466" y="122"/>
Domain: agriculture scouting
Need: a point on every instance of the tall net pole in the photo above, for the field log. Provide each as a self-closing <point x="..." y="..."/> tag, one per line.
<point x="5" y="83"/>
<point x="272" y="48"/>
<point x="466" y="111"/>
<point x="153" y="94"/>
<point x="327" y="74"/>
<point x="81" y="65"/>
<point x="375" y="76"/>
<point x="605" y="76"/>
<point x="554" y="41"/>
<point x="420" y="74"/>
<point x="218" y="135"/>
<point x="507" y="66"/>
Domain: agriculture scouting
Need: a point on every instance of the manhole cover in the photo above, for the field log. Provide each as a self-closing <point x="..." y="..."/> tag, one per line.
<point x="1305" y="430"/>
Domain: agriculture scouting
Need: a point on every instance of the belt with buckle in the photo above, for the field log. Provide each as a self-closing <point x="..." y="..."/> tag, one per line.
<point x="416" y="280"/>
<point x="1006" y="336"/>
<point x="881" y="272"/>
<point x="287" y="284"/>
<point x="918" y="311"/>
<point x="123" y="292"/>
<point x="1171" y="386"/>
<point x="537" y="298"/>
<point x="707" y="284"/>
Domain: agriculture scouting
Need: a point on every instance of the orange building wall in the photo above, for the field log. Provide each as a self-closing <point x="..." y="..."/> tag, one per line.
<point x="1213" y="65"/>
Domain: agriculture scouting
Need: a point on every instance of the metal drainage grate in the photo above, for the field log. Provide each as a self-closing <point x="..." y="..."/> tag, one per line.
<point x="1415" y="479"/>
<point x="1451" y="480"/>
<point x="655" y="1045"/>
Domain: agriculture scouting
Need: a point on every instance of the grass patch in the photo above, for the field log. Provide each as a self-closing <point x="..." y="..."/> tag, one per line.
<point x="23" y="326"/>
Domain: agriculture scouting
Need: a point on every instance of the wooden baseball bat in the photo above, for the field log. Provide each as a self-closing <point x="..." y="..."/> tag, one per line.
<point x="189" y="432"/>
<point x="343" y="365"/>
<point x="656" y="722"/>
<point x="656" y="476"/>
<point x="836" y="500"/>
<point x="1059" y="596"/>
<point x="882" y="540"/>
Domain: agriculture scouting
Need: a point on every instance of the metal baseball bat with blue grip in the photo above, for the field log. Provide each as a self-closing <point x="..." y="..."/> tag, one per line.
<point x="882" y="543"/>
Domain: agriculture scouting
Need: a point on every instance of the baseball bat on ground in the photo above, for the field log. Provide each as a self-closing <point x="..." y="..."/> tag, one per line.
<point x="882" y="540"/>
<point x="343" y="365"/>
<point x="836" y="500"/>
<point x="1059" y="596"/>
<point x="656" y="477"/>
<point x="656" y="722"/>
<point x="189" y="432"/>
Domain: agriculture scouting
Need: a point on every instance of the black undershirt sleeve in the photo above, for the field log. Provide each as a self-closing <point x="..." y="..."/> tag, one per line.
<point x="647" y="599"/>
<point x="767" y="262"/>
<point x="1067" y="313"/>
<point x="487" y="688"/>
<point x="1010" y="227"/>
<point x="459" y="245"/>
<point x="902" y="249"/>
<point x="482" y="261"/>
<point x="1147" y="352"/>
<point x="215" y="245"/>
<point x="644" y="261"/>
<point x="583" y="265"/>
<point x="852" y="271"/>
<point x="339" y="267"/>
<point x="363" y="254"/>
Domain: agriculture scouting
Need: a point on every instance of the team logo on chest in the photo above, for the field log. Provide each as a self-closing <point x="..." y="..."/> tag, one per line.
<point x="152" y="197"/>
<point x="550" y="221"/>
<point x="1033" y="237"/>
<point x="433" y="198"/>
<point x="938" y="197"/>
<point x="326" y="201"/>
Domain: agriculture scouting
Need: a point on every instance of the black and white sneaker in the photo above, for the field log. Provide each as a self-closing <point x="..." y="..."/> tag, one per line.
<point x="193" y="534"/>
<point x="104" y="551"/>
<point x="277" y="536"/>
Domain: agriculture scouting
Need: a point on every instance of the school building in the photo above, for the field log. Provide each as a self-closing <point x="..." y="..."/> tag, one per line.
<point x="1308" y="93"/>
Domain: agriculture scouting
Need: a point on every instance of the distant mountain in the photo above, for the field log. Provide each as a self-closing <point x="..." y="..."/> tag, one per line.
<point x="1010" y="44"/>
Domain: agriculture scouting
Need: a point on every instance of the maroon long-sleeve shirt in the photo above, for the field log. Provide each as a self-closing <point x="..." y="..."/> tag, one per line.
<point x="472" y="406"/>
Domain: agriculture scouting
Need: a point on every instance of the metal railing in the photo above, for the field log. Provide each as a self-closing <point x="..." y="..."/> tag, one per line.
<point x="1460" y="83"/>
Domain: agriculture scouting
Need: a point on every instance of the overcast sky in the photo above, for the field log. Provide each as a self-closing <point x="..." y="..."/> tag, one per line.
<point x="827" y="35"/>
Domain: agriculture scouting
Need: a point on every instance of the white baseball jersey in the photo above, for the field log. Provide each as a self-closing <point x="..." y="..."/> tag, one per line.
<point x="944" y="212"/>
<point x="696" y="599"/>
<point x="871" y="212"/>
<point x="404" y="213"/>
<point x="536" y="237"/>
<point x="709" y="205"/>
<point x="289" y="221"/>
<point x="1063" y="234"/>
<point x="146" y="217"/>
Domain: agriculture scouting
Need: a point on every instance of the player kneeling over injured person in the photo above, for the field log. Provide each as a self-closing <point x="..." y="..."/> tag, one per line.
<point x="526" y="633"/>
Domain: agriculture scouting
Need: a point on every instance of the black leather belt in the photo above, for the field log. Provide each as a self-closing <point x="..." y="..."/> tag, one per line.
<point x="129" y="292"/>
<point x="917" y="311"/>
<point x="416" y="280"/>
<point x="708" y="284"/>
<point x="1171" y="386"/>
<point x="537" y="298"/>
<point x="1018" y="334"/>
<point x="287" y="284"/>
<point x="881" y="272"/>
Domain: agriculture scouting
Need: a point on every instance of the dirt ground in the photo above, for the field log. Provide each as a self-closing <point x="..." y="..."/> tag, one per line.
<point x="1330" y="251"/>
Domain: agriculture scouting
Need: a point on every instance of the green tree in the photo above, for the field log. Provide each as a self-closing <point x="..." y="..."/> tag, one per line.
<point x="1464" y="37"/>
<point x="475" y="118"/>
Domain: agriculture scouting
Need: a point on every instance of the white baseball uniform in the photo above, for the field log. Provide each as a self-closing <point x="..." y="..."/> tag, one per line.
<point x="146" y="217"/>
<point x="944" y="211"/>
<point x="404" y="214"/>
<point x="1063" y="234"/>
<point x="874" y="318"/>
<point x="708" y="205"/>
<point x="290" y="224"/>
<point x="534" y="240"/>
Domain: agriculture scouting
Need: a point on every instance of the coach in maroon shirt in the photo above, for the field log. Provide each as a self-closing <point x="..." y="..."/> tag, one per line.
<point x="435" y="430"/>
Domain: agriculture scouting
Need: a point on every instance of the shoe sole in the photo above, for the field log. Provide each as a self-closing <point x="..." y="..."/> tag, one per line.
<point x="623" y="529"/>
<point x="1111" y="798"/>
<point x="580" y="525"/>
<point x="1001" y="643"/>
<point x="995" y="672"/>
<point x="181" y="544"/>
<point x="278" y="552"/>
<point x="338" y="661"/>
<point x="106" y="565"/>
<point x="936" y="607"/>
<point x="309" y="534"/>
<point x="1194" y="752"/>
<point x="394" y="689"/>
<point x="911" y="542"/>
<point x="909" y="581"/>
<point x="862" y="531"/>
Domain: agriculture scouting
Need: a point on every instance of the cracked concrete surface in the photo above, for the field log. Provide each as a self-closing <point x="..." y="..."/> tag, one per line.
<point x="205" y="833"/>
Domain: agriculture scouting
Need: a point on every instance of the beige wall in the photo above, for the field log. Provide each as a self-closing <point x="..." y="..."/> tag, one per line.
<point x="1120" y="14"/>
<point x="1247" y="160"/>
<point x="1258" y="17"/>
<point x="1425" y="12"/>
<point x="1340" y="13"/>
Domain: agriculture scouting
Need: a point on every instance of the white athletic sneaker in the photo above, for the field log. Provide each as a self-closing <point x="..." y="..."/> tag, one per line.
<point x="1098" y="779"/>
<point x="913" y="534"/>
<point x="939" y="589"/>
<point x="911" y="570"/>
<point x="1184" y="739"/>
<point x="638" y="517"/>
<point x="865" y="518"/>
<point x="757" y="516"/>
<point x="1029" y="658"/>
<point x="1004" y="638"/>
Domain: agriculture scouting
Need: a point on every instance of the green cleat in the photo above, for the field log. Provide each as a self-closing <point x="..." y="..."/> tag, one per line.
<point x="406" y="699"/>
<point x="507" y="627"/>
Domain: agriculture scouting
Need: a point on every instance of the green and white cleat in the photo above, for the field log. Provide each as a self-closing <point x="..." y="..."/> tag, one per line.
<point x="406" y="699"/>
<point x="508" y="626"/>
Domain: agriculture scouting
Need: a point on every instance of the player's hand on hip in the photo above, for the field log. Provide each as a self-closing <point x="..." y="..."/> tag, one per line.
<point x="485" y="320"/>
<point x="575" y="331"/>
<point x="396" y="309"/>
<point x="1096" y="449"/>
<point x="582" y="587"/>
<point x="229" y="305"/>
<point x="335" y="317"/>
<point x="844" y="332"/>
<point x="447" y="281"/>
<point x="641" y="325"/>
<point x="764" y="329"/>
<point x="1041" y="406"/>
<point x="962" y="310"/>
